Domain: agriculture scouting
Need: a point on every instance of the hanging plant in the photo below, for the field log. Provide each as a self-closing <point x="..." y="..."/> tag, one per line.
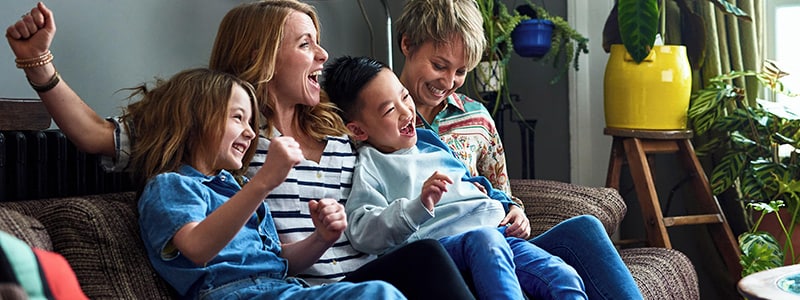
<point x="566" y="43"/>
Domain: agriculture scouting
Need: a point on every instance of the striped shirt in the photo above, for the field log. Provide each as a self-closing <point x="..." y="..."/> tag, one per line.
<point x="466" y="126"/>
<point x="330" y="178"/>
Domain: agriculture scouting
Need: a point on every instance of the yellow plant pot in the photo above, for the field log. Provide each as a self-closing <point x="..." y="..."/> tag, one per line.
<point x="653" y="94"/>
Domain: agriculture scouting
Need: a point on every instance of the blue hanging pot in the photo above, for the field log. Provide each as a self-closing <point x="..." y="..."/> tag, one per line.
<point x="531" y="38"/>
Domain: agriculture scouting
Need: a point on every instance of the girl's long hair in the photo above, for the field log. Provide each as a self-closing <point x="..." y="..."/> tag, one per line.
<point x="181" y="119"/>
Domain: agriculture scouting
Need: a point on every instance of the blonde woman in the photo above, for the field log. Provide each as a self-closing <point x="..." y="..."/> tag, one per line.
<point x="442" y="40"/>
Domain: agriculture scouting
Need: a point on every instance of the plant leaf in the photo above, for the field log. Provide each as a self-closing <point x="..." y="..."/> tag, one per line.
<point x="727" y="7"/>
<point x="692" y="35"/>
<point x="611" y="30"/>
<point x="726" y="171"/>
<point x="760" y="251"/>
<point x="638" y="25"/>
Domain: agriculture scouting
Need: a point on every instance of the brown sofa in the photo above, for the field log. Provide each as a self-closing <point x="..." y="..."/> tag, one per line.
<point x="99" y="236"/>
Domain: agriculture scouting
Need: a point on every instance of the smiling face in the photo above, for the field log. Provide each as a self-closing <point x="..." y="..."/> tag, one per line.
<point x="238" y="134"/>
<point x="299" y="63"/>
<point x="386" y="114"/>
<point x="432" y="72"/>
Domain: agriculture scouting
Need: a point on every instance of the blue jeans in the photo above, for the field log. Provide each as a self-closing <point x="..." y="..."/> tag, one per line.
<point x="502" y="267"/>
<point x="582" y="243"/>
<point x="264" y="287"/>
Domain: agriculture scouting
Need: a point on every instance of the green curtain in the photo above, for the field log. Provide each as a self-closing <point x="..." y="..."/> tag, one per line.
<point x="730" y="44"/>
<point x="733" y="44"/>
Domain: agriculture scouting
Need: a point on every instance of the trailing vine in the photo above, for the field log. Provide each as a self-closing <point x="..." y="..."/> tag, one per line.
<point x="566" y="44"/>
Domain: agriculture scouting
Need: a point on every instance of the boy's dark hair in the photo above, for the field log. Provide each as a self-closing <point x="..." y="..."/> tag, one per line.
<point x="344" y="80"/>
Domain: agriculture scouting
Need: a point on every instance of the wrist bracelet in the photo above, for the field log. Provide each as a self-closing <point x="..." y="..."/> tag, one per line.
<point x="41" y="60"/>
<point x="47" y="86"/>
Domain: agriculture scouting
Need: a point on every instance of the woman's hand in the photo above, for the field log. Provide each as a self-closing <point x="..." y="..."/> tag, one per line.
<point x="518" y="224"/>
<point x="31" y="36"/>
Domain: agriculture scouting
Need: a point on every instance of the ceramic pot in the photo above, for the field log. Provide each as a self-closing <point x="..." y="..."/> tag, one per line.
<point x="532" y="38"/>
<point x="488" y="76"/>
<point x="651" y="95"/>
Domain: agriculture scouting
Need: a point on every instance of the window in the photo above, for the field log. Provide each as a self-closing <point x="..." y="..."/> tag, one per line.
<point x="784" y="42"/>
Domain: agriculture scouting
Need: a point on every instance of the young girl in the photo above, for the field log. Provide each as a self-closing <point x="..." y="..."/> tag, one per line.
<point x="392" y="202"/>
<point x="206" y="234"/>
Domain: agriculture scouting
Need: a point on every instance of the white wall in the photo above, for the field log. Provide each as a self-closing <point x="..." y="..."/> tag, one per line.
<point x="103" y="46"/>
<point x="590" y="149"/>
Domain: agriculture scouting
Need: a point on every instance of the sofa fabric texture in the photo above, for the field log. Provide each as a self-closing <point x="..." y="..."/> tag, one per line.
<point x="660" y="273"/>
<point x="99" y="236"/>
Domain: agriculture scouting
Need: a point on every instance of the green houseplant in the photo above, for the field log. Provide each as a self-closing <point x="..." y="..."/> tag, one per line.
<point x="499" y="24"/>
<point x="758" y="157"/>
<point x="635" y="23"/>
<point x="635" y="94"/>
<point x="566" y="43"/>
<point x="491" y="74"/>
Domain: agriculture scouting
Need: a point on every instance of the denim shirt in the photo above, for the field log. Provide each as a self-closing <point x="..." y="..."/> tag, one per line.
<point x="171" y="200"/>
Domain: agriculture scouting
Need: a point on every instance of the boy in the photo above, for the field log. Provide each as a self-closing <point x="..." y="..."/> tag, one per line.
<point x="391" y="202"/>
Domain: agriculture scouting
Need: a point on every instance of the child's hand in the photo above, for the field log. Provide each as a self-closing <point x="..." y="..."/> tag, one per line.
<point x="433" y="188"/>
<point x="480" y="187"/>
<point x="329" y="218"/>
<point x="284" y="153"/>
<point x="518" y="224"/>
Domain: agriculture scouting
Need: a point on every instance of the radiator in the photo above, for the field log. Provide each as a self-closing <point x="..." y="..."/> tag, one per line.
<point x="45" y="164"/>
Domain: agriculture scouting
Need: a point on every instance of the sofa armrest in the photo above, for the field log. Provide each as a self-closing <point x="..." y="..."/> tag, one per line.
<point x="549" y="202"/>
<point x="25" y="228"/>
<point x="99" y="237"/>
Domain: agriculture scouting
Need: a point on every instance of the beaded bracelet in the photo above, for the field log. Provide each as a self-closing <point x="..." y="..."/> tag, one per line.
<point x="38" y="61"/>
<point x="47" y="86"/>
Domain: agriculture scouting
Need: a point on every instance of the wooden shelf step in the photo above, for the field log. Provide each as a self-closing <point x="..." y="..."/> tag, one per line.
<point x="692" y="220"/>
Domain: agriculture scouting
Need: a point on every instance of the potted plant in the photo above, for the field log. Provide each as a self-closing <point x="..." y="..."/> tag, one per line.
<point x="500" y="24"/>
<point x="757" y="146"/>
<point x="637" y="66"/>
<point x="560" y="46"/>
<point x="491" y="80"/>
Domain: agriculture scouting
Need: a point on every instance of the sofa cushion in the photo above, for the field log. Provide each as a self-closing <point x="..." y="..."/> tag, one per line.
<point x="25" y="228"/>
<point x="549" y="202"/>
<point x="99" y="236"/>
<point x="662" y="273"/>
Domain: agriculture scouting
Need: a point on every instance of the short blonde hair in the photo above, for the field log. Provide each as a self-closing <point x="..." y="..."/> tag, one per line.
<point x="440" y="21"/>
<point x="247" y="45"/>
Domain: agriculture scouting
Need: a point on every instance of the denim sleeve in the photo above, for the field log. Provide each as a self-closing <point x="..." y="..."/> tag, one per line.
<point x="169" y="201"/>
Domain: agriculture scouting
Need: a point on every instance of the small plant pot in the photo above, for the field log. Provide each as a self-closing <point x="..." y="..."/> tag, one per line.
<point x="488" y="76"/>
<point x="532" y="38"/>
